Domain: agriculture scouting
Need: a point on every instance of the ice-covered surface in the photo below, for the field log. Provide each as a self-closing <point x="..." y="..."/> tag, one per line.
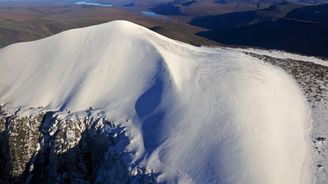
<point x="195" y="115"/>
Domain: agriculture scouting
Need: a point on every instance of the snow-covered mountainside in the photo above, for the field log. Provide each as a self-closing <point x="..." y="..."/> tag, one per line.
<point x="119" y="103"/>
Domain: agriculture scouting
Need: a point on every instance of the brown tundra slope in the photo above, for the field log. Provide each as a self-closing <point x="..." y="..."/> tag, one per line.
<point x="27" y="23"/>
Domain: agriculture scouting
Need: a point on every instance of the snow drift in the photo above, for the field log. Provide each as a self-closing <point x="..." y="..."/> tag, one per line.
<point x="197" y="115"/>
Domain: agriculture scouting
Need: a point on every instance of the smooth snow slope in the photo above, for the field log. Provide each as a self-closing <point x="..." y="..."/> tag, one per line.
<point x="197" y="115"/>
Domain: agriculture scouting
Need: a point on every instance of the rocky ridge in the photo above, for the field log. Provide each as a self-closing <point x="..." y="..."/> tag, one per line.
<point x="50" y="147"/>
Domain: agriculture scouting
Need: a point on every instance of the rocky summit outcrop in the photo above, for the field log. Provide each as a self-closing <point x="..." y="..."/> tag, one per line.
<point x="45" y="148"/>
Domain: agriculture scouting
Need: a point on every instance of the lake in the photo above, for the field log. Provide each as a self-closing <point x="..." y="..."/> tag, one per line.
<point x="94" y="4"/>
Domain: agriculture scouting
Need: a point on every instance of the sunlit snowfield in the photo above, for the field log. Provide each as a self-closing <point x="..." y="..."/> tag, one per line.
<point x="193" y="114"/>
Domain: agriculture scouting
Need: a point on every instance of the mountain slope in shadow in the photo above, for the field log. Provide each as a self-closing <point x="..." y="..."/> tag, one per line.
<point x="300" y="30"/>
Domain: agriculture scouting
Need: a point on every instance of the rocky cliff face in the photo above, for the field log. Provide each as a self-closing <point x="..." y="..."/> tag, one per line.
<point x="19" y="139"/>
<point x="45" y="148"/>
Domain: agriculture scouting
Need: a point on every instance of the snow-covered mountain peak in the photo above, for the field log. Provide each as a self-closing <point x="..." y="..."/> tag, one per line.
<point x="196" y="115"/>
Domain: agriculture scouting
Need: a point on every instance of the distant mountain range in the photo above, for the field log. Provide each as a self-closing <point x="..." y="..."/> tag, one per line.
<point x="285" y="26"/>
<point x="202" y="7"/>
<point x="294" y="26"/>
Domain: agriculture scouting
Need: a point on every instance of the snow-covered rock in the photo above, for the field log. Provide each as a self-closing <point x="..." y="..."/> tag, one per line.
<point x="193" y="115"/>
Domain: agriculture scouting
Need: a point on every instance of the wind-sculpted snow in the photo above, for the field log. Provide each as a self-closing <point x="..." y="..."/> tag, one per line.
<point x="311" y="75"/>
<point x="196" y="115"/>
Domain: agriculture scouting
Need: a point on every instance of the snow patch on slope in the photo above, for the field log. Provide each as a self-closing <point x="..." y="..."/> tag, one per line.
<point x="286" y="55"/>
<point x="196" y="115"/>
